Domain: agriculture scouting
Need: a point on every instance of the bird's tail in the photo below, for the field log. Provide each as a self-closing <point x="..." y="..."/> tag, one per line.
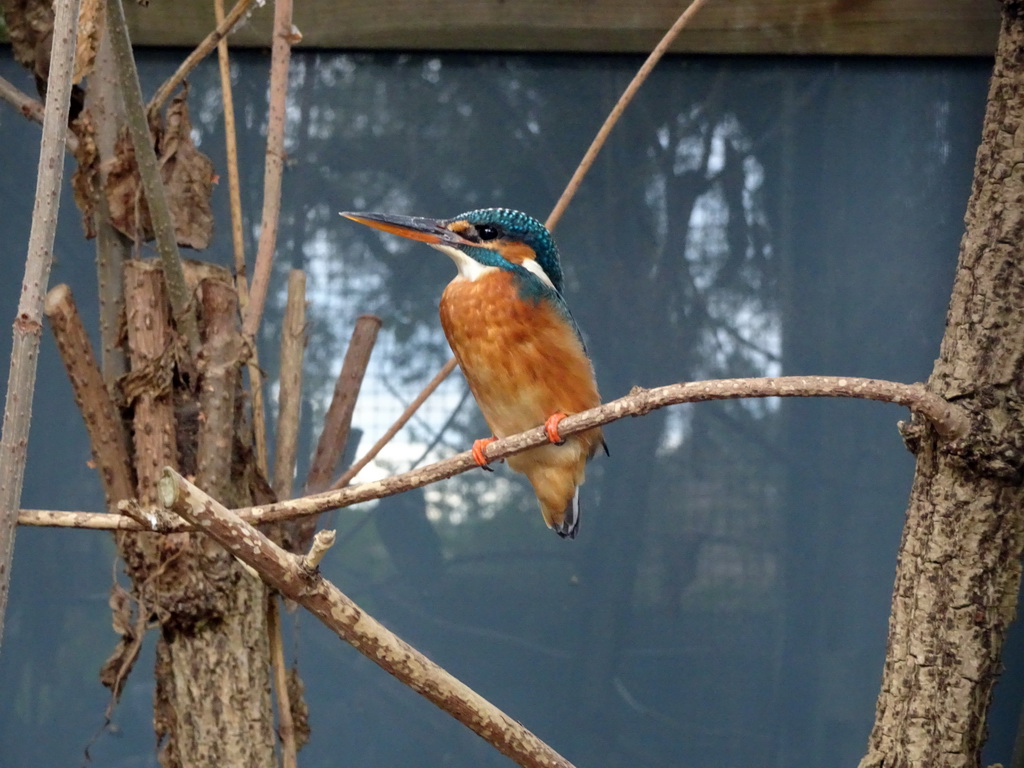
<point x="559" y="498"/>
<point x="570" y="524"/>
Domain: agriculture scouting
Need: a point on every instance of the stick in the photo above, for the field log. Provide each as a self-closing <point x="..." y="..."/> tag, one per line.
<point x="31" y="109"/>
<point x="617" y="110"/>
<point x="231" y="146"/>
<point x="279" y="58"/>
<point x="201" y="51"/>
<point x="338" y="420"/>
<point x="221" y="357"/>
<point x="400" y="422"/>
<point x="105" y="105"/>
<point x="102" y="421"/>
<point x="287" y="573"/>
<point x="28" y="322"/>
<point x="289" y="399"/>
<point x="950" y="421"/>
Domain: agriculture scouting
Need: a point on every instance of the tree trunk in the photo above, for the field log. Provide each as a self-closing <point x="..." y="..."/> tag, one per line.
<point x="213" y="688"/>
<point x="959" y="572"/>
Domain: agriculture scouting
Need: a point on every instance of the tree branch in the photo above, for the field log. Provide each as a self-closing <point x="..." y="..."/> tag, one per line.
<point x="400" y="422"/>
<point x="102" y="420"/>
<point x="950" y="422"/>
<point x="28" y="322"/>
<point x="289" y="399"/>
<point x="288" y="574"/>
<point x="338" y="420"/>
<point x="201" y="52"/>
<point x="279" y="58"/>
<point x="613" y="117"/>
<point x="30" y="108"/>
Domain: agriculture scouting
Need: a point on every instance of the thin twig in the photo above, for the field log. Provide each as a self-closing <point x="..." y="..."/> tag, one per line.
<point x="149" y="174"/>
<point x="279" y="58"/>
<point x="950" y="421"/>
<point x="31" y="109"/>
<point x="400" y="422"/>
<point x="28" y="322"/>
<point x="617" y="110"/>
<point x="287" y="573"/>
<point x="289" y="398"/>
<point x="259" y="420"/>
<point x="201" y="51"/>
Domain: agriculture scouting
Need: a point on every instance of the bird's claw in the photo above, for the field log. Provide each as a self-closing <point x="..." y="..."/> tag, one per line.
<point x="551" y="428"/>
<point x="478" y="452"/>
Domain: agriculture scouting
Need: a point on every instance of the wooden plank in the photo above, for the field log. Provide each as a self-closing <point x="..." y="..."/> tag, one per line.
<point x="876" y="27"/>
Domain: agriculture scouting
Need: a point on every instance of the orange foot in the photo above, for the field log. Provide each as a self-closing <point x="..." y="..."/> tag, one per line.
<point x="478" y="452"/>
<point x="551" y="428"/>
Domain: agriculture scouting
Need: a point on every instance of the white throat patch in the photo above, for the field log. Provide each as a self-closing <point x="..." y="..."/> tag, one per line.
<point x="469" y="268"/>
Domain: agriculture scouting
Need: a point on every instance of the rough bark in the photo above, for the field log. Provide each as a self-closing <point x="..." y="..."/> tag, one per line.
<point x="212" y="703"/>
<point x="959" y="571"/>
<point x="102" y="419"/>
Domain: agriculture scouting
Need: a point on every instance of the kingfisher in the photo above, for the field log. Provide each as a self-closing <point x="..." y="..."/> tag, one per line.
<point x="522" y="354"/>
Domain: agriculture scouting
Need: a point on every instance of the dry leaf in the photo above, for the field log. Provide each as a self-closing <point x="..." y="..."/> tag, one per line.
<point x="116" y="668"/>
<point x="187" y="175"/>
<point x="84" y="181"/>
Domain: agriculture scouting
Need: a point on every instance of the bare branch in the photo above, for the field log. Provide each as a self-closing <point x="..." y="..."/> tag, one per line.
<point x="400" y="422"/>
<point x="221" y="356"/>
<point x="338" y="420"/>
<point x="30" y="108"/>
<point x="950" y="422"/>
<point x="211" y="41"/>
<point x="617" y="110"/>
<point x="28" y="322"/>
<point x="293" y="345"/>
<point x="102" y="421"/>
<point x="280" y="56"/>
<point x="285" y="722"/>
<point x="288" y="574"/>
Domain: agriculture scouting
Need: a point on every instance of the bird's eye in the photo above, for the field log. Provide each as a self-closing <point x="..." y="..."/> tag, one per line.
<point x="487" y="232"/>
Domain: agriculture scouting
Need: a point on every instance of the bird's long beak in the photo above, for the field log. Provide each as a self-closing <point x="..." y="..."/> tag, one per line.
<point x="425" y="230"/>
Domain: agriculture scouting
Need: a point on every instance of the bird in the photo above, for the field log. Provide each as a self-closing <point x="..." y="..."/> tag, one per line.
<point x="519" y="348"/>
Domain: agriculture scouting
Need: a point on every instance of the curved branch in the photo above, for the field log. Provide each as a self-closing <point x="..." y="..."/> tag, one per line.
<point x="950" y="421"/>
<point x="293" y="577"/>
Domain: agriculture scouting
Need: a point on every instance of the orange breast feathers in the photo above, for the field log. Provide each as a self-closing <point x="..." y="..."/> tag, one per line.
<point x="521" y="358"/>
